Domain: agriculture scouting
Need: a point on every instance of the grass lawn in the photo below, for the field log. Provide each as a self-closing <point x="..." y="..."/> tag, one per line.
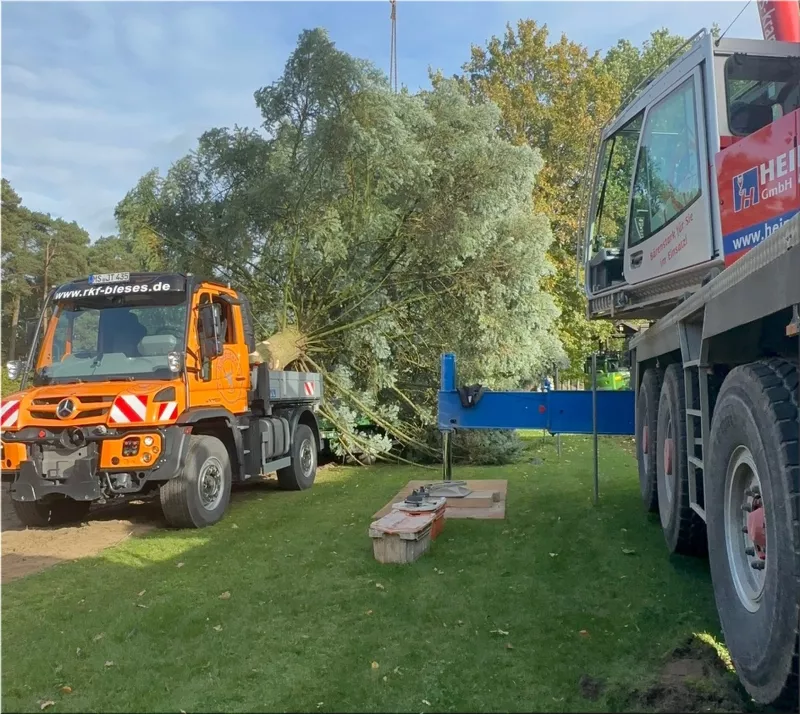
<point x="313" y="623"/>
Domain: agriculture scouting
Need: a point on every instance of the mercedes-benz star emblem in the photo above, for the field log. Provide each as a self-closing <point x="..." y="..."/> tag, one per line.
<point x="65" y="408"/>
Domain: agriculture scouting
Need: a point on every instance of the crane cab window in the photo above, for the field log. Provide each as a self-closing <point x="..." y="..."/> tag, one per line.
<point x="759" y="90"/>
<point x="667" y="177"/>
<point x="612" y="190"/>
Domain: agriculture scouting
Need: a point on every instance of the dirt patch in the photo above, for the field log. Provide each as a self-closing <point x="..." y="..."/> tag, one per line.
<point x="30" y="550"/>
<point x="694" y="679"/>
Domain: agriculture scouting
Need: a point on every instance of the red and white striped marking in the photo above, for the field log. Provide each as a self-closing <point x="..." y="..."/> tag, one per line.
<point x="309" y="387"/>
<point x="167" y="411"/>
<point x="9" y="411"/>
<point x="128" y="409"/>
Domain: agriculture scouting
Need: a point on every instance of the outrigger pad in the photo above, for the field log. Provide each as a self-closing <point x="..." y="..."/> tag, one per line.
<point x="470" y="395"/>
<point x="448" y="489"/>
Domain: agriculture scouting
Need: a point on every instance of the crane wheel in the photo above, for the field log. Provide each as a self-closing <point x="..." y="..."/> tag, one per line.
<point x="684" y="530"/>
<point x="199" y="494"/>
<point x="753" y="514"/>
<point x="52" y="512"/>
<point x="646" y="425"/>
<point x="300" y="474"/>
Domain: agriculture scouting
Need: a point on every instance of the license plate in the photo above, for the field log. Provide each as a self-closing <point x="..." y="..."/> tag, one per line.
<point x="102" y="278"/>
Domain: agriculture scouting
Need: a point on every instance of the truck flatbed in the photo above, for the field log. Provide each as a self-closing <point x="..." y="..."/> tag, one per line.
<point x="295" y="386"/>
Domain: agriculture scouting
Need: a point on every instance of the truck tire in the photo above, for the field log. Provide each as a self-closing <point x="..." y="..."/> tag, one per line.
<point x="754" y="440"/>
<point x="684" y="530"/>
<point x="55" y="512"/>
<point x="199" y="494"/>
<point x="300" y="474"/>
<point x="646" y="430"/>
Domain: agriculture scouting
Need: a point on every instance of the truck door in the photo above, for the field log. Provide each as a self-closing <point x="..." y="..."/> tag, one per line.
<point x="669" y="226"/>
<point x="225" y="380"/>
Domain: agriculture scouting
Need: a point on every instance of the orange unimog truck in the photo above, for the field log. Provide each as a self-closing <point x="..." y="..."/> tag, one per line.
<point x="141" y="383"/>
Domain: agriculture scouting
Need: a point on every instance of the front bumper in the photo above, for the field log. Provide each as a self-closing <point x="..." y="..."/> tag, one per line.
<point x="76" y="474"/>
<point x="79" y="481"/>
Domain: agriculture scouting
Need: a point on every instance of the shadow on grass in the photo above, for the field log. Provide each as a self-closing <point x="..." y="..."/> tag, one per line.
<point x="562" y="606"/>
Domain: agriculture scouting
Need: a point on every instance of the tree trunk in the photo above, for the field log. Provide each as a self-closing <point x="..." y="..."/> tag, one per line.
<point x="12" y="340"/>
<point x="283" y="348"/>
<point x="48" y="256"/>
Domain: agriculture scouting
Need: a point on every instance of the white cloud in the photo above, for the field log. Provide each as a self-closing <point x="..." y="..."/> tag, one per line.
<point x="57" y="81"/>
<point x="95" y="94"/>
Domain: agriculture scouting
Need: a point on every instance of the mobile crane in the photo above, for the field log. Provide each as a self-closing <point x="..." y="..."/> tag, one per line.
<point x="142" y="383"/>
<point x="693" y="226"/>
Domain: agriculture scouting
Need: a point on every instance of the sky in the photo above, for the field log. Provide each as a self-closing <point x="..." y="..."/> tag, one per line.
<point x="95" y="94"/>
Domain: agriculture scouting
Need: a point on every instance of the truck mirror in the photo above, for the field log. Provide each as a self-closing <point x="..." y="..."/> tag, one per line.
<point x="211" y="327"/>
<point x="14" y="368"/>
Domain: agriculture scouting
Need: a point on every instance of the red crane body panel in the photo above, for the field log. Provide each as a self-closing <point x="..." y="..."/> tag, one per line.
<point x="758" y="185"/>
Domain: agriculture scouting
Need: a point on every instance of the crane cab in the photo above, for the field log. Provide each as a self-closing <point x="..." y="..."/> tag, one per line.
<point x="654" y="232"/>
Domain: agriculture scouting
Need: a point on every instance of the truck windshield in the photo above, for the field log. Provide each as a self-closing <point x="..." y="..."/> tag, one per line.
<point x="96" y="340"/>
<point x="760" y="90"/>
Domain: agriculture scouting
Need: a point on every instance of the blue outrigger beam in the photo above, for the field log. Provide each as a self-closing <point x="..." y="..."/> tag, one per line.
<point x="558" y="412"/>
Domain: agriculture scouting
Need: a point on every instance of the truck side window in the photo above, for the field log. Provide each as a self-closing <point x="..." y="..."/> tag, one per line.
<point x="225" y="312"/>
<point x="228" y="335"/>
<point x="667" y="178"/>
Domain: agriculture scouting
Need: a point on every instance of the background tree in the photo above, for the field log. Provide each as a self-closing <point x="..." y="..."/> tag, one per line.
<point x="556" y="97"/>
<point x="38" y="253"/>
<point x="372" y="231"/>
<point x="17" y="265"/>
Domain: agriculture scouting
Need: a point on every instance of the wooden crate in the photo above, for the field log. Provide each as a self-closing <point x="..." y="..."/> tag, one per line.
<point x="401" y="538"/>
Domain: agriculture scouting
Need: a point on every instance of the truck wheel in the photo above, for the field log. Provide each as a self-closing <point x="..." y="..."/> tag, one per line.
<point x="55" y="512"/>
<point x="646" y="424"/>
<point x="199" y="494"/>
<point x="300" y="474"/>
<point x="752" y="510"/>
<point x="683" y="529"/>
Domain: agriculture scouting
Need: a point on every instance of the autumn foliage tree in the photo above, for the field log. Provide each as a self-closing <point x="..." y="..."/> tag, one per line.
<point x="556" y="96"/>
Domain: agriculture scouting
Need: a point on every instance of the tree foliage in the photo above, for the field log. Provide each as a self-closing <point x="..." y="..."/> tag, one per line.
<point x="38" y="252"/>
<point x="372" y="231"/>
<point x="556" y="96"/>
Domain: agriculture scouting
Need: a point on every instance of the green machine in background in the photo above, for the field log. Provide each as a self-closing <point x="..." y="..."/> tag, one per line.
<point x="328" y="433"/>
<point x="613" y="370"/>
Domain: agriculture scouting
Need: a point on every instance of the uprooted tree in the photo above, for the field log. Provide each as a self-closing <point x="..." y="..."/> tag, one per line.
<point x="371" y="231"/>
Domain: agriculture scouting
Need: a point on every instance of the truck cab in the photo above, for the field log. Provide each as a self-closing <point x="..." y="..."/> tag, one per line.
<point x="667" y="211"/>
<point x="141" y="383"/>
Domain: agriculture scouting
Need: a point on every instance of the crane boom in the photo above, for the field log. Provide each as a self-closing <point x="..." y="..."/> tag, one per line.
<point x="780" y="20"/>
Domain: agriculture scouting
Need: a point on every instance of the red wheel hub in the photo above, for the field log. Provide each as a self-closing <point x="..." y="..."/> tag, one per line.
<point x="645" y="438"/>
<point x="668" y="456"/>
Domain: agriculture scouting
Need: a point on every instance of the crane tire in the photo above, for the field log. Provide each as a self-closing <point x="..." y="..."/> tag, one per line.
<point x="646" y="429"/>
<point x="754" y="439"/>
<point x="684" y="530"/>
